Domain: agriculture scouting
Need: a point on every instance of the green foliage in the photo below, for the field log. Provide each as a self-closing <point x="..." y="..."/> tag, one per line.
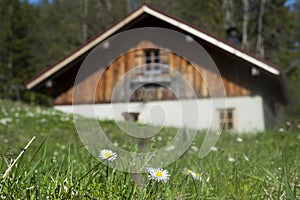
<point x="33" y="37"/>
<point x="57" y="166"/>
<point x="15" y="47"/>
<point x="278" y="35"/>
<point x="293" y="71"/>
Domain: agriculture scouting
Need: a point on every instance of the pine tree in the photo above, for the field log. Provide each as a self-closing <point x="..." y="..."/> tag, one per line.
<point x="15" y="47"/>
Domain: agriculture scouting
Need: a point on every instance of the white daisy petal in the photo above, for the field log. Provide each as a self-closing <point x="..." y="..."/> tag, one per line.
<point x="230" y="159"/>
<point x="158" y="174"/>
<point x="239" y="139"/>
<point x="107" y="154"/>
<point x="246" y="158"/>
<point x="213" y="148"/>
<point x="195" y="175"/>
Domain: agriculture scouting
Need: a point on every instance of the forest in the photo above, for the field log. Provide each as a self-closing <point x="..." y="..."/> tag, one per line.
<point x="35" y="35"/>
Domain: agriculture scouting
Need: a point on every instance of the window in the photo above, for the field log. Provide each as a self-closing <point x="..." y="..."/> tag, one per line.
<point x="226" y="119"/>
<point x="131" y="116"/>
<point x="152" y="60"/>
<point x="152" y="56"/>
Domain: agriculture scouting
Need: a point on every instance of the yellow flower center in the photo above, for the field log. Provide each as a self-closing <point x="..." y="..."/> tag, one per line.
<point x="159" y="173"/>
<point x="108" y="154"/>
<point x="197" y="175"/>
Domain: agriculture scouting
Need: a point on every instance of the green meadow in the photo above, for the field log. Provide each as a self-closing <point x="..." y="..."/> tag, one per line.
<point x="56" y="165"/>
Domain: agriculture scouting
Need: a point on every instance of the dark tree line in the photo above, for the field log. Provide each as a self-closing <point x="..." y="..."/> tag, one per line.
<point x="33" y="36"/>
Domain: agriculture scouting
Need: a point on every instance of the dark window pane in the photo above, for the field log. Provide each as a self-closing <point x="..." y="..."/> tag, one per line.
<point x="229" y="114"/>
<point x="230" y="126"/>
<point x="226" y="120"/>
<point x="148" y="57"/>
<point x="134" y="116"/>
<point x="157" y="57"/>
<point x="130" y="116"/>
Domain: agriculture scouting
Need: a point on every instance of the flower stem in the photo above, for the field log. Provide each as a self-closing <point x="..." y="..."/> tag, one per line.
<point x="106" y="170"/>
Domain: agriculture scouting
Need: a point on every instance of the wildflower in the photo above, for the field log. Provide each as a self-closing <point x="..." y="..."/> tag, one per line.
<point x="4" y="121"/>
<point x="207" y="180"/>
<point x="170" y="148"/>
<point x="246" y="158"/>
<point x="30" y="114"/>
<point x="53" y="159"/>
<point x="231" y="159"/>
<point x="64" y="119"/>
<point x="192" y="173"/>
<point x="213" y="148"/>
<point x="109" y="155"/>
<point x="116" y="144"/>
<point x="4" y="112"/>
<point x="196" y="176"/>
<point x="186" y="171"/>
<point x="158" y="174"/>
<point x="281" y="129"/>
<point x="239" y="139"/>
<point x="194" y="148"/>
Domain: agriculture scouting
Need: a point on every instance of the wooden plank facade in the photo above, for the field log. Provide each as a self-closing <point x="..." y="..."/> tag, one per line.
<point x="149" y="62"/>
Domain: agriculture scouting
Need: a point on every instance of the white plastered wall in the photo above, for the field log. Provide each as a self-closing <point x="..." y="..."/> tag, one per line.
<point x="199" y="113"/>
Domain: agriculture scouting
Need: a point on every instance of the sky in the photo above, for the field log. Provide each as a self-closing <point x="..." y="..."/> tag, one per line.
<point x="35" y="1"/>
<point x="289" y="2"/>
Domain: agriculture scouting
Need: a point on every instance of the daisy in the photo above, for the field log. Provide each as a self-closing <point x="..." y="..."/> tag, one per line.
<point x="213" y="148"/>
<point x="109" y="155"/>
<point x="281" y="129"/>
<point x="158" y="174"/>
<point x="196" y="176"/>
<point x="194" y="148"/>
<point x="186" y="171"/>
<point x="246" y="158"/>
<point x="192" y="173"/>
<point x="230" y="159"/>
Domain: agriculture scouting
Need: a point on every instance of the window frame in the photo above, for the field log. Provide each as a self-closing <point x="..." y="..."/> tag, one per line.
<point x="152" y="61"/>
<point x="229" y="117"/>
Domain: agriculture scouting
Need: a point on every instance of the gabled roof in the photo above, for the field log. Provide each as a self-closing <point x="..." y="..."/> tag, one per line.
<point x="146" y="9"/>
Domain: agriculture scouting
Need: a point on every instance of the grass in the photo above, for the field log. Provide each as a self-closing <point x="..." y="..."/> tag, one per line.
<point x="57" y="166"/>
